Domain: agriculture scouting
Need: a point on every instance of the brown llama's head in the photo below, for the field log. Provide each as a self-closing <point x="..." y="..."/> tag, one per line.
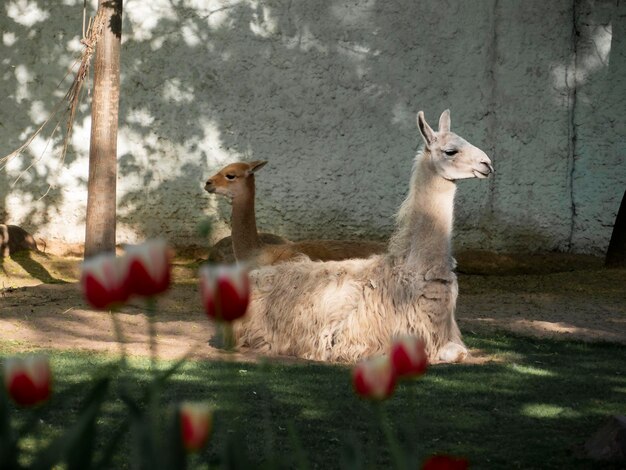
<point x="234" y="180"/>
<point x="449" y="155"/>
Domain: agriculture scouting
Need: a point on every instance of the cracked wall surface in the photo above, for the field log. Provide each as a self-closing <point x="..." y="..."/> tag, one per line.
<point x="327" y="92"/>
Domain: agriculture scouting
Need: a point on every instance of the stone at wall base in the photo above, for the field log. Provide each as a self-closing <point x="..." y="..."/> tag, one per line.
<point x="14" y="239"/>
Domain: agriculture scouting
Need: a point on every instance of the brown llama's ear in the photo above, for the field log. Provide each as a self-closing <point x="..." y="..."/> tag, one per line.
<point x="256" y="165"/>
<point x="444" y="121"/>
<point x="427" y="133"/>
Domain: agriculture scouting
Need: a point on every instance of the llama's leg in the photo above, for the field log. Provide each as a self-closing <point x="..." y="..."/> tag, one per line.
<point x="452" y="352"/>
<point x="439" y="300"/>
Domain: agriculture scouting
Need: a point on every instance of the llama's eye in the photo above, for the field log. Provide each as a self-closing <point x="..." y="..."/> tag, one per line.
<point x="450" y="153"/>
<point x="230" y="177"/>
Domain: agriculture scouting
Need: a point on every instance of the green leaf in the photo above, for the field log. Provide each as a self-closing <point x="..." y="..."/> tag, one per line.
<point x="76" y="445"/>
<point x="205" y="227"/>
<point x="234" y="456"/>
<point x="165" y="375"/>
<point x="145" y="450"/>
<point x="298" y="451"/>
<point x="175" y="455"/>
<point x="351" y="455"/>
<point x="112" y="446"/>
<point x="8" y="442"/>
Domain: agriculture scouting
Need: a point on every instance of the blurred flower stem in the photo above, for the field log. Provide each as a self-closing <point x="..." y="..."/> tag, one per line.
<point x="396" y="452"/>
<point x="151" y="309"/>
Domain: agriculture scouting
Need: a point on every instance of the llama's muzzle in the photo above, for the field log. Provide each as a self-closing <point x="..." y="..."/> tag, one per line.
<point x="483" y="170"/>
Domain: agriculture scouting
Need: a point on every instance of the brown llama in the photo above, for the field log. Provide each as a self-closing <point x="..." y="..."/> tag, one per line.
<point x="346" y="310"/>
<point x="236" y="181"/>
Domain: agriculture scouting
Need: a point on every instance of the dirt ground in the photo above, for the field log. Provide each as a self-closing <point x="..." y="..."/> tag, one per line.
<point x="557" y="296"/>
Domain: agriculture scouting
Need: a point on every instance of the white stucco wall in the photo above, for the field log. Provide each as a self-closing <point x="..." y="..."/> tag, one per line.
<point x="327" y="91"/>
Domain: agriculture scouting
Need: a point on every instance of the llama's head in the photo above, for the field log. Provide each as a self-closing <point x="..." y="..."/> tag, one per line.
<point x="451" y="156"/>
<point x="234" y="180"/>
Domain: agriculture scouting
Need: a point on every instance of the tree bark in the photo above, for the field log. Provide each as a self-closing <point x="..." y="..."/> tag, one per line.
<point x="616" y="253"/>
<point x="101" y="186"/>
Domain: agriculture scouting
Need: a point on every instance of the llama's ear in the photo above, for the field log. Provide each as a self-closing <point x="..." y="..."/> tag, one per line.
<point x="256" y="165"/>
<point x="444" y="121"/>
<point x="427" y="133"/>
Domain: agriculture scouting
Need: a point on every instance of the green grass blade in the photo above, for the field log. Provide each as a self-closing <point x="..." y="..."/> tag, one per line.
<point x="76" y="445"/>
<point x="8" y="442"/>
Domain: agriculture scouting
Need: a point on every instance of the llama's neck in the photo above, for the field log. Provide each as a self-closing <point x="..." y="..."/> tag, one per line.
<point x="243" y="224"/>
<point x="422" y="240"/>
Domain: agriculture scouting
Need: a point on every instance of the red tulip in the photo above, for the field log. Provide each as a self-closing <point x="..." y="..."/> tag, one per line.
<point x="225" y="291"/>
<point x="445" y="462"/>
<point x="148" y="268"/>
<point x="408" y="356"/>
<point x="103" y="281"/>
<point x="374" y="378"/>
<point x="27" y="379"/>
<point x="196" y="422"/>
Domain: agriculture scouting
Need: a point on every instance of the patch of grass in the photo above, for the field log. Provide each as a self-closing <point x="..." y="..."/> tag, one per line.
<point x="528" y="412"/>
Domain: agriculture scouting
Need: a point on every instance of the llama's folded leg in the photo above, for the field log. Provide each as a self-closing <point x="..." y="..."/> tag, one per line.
<point x="439" y="301"/>
<point x="452" y="352"/>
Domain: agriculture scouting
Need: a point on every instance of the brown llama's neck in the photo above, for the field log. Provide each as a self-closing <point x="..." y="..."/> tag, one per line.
<point x="422" y="240"/>
<point x="243" y="223"/>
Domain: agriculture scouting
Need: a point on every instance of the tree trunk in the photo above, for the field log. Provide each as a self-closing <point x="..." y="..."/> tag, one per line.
<point x="101" y="186"/>
<point x="616" y="253"/>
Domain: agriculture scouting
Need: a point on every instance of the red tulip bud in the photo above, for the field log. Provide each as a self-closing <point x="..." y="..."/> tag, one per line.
<point x="374" y="378"/>
<point x="196" y="422"/>
<point x="408" y="356"/>
<point x="445" y="462"/>
<point x="27" y="379"/>
<point x="225" y="291"/>
<point x="103" y="281"/>
<point x="148" y="268"/>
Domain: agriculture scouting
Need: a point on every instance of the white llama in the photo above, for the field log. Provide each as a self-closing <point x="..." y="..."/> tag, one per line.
<point x="347" y="310"/>
<point x="236" y="181"/>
